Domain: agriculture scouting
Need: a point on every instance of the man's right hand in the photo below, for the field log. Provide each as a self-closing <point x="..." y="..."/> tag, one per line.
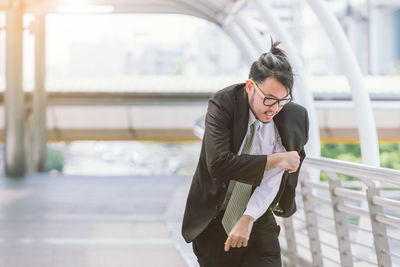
<point x="289" y="161"/>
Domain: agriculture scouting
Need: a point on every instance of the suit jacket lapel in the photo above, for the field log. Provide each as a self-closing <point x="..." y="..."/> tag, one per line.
<point x="240" y="117"/>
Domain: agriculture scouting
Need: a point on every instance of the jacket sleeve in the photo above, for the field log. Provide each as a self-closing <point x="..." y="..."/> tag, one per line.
<point x="222" y="162"/>
<point x="287" y="204"/>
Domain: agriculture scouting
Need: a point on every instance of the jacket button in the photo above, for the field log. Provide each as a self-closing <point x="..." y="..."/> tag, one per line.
<point x="216" y="207"/>
<point x="223" y="185"/>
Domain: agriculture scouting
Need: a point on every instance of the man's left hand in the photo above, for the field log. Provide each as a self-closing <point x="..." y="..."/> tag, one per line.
<point x="240" y="233"/>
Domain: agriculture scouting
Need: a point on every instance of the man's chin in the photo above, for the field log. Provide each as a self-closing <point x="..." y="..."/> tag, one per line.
<point x="265" y="118"/>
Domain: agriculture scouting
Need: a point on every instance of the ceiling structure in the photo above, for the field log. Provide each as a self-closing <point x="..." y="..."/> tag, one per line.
<point x="235" y="17"/>
<point x="214" y="11"/>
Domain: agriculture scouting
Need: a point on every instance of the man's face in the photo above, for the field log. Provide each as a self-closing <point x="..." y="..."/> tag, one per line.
<point x="270" y="88"/>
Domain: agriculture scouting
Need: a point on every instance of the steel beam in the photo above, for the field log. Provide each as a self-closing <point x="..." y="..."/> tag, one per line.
<point x="239" y="39"/>
<point x="303" y="94"/>
<point x="258" y="41"/>
<point x="365" y="119"/>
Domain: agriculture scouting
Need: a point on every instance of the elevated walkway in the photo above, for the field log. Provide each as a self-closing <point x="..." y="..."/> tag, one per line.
<point x="165" y="107"/>
<point x="82" y="221"/>
<point x="107" y="221"/>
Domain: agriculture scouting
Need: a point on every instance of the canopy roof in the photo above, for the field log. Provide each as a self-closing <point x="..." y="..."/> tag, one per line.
<point x="211" y="10"/>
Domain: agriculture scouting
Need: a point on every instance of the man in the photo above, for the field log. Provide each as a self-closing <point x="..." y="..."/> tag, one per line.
<point x="252" y="149"/>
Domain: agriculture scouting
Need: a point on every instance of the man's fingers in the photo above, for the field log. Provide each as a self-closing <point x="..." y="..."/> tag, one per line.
<point x="235" y="242"/>
<point x="244" y="242"/>
<point x="228" y="243"/>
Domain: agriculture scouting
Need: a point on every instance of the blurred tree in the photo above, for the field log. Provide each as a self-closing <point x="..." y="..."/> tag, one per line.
<point x="55" y="159"/>
<point x="389" y="155"/>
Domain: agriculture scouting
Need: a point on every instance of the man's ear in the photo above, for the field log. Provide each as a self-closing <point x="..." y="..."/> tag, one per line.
<point x="249" y="86"/>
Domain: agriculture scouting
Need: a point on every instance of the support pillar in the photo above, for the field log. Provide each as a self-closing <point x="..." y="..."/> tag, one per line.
<point x="39" y="96"/>
<point x="14" y="95"/>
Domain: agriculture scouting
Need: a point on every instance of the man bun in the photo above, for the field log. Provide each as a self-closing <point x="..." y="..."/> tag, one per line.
<point x="274" y="64"/>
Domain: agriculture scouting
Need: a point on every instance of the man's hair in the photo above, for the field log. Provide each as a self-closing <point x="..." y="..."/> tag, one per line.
<point x="274" y="64"/>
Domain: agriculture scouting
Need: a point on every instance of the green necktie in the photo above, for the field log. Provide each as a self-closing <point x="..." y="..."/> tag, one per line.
<point x="241" y="192"/>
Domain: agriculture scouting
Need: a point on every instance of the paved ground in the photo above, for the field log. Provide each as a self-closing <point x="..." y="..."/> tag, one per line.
<point x="82" y="221"/>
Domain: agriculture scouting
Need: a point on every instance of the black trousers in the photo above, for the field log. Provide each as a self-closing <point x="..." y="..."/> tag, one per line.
<point x="263" y="248"/>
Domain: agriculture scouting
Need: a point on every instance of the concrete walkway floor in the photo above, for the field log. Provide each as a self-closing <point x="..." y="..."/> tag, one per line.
<point x="82" y="221"/>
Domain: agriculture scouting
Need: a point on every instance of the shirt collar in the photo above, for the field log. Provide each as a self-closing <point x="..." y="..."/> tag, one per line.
<point x="252" y="119"/>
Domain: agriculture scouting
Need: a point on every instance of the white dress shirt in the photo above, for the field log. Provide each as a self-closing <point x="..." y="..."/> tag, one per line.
<point x="267" y="141"/>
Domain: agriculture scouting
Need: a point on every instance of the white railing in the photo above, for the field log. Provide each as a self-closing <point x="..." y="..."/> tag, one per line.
<point x="341" y="223"/>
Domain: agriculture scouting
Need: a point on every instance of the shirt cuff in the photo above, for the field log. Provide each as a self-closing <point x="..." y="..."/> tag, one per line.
<point x="253" y="212"/>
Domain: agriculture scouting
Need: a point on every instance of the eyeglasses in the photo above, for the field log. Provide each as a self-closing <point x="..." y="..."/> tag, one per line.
<point x="268" y="101"/>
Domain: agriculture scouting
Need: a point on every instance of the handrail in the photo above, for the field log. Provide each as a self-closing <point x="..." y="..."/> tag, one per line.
<point x="375" y="209"/>
<point x="355" y="169"/>
<point x="351" y="194"/>
<point x="387" y="203"/>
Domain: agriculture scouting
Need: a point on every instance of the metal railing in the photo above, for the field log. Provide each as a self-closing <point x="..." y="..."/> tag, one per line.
<point x="339" y="223"/>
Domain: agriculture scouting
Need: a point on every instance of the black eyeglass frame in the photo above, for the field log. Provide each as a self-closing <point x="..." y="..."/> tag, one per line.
<point x="288" y="100"/>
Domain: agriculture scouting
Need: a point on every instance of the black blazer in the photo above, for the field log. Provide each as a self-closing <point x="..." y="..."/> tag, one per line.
<point x="225" y="127"/>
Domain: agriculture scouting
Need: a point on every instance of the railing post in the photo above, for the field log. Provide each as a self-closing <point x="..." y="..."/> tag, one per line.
<point x="378" y="228"/>
<point x="311" y="222"/>
<point x="290" y="241"/>
<point x="342" y="230"/>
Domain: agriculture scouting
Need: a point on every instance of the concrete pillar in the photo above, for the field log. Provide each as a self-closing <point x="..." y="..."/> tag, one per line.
<point x="39" y="96"/>
<point x="14" y="95"/>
